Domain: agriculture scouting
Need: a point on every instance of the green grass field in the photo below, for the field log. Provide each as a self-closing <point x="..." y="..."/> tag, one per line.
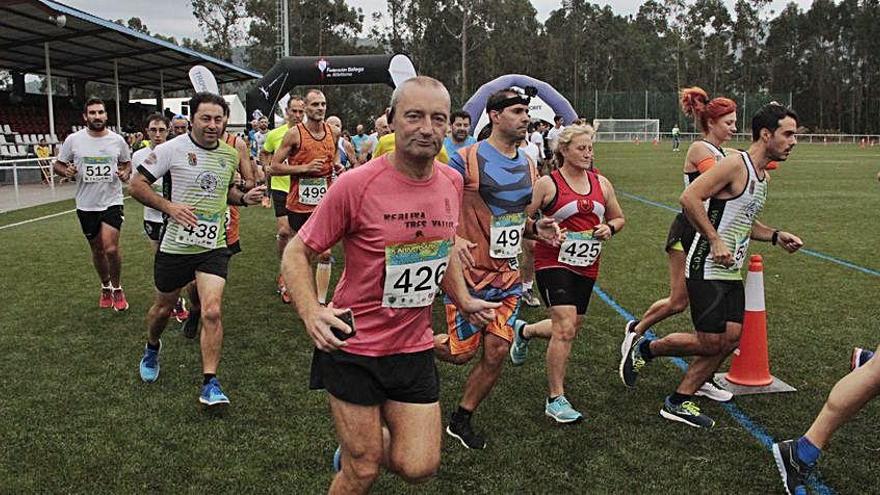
<point x="75" y="417"/>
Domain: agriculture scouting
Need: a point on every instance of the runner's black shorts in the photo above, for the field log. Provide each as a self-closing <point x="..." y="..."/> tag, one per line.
<point x="90" y="221"/>
<point x="561" y="287"/>
<point x="154" y="230"/>
<point x="234" y="248"/>
<point x="297" y="220"/>
<point x="368" y="381"/>
<point x="681" y="231"/>
<point x="174" y="271"/>
<point x="279" y="200"/>
<point x="716" y="302"/>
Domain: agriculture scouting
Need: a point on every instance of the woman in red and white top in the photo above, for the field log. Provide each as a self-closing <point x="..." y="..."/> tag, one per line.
<point x="585" y="207"/>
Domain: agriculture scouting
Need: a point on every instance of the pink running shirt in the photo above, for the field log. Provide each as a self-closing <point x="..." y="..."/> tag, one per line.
<point x="388" y="223"/>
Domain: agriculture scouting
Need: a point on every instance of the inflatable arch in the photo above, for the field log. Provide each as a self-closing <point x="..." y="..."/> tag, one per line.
<point x="544" y="106"/>
<point x="290" y="72"/>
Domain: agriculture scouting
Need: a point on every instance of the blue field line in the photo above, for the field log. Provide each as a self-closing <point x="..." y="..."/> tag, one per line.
<point x="755" y="429"/>
<point x="817" y="254"/>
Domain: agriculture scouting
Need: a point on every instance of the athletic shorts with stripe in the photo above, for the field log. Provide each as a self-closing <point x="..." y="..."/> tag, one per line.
<point x="464" y="337"/>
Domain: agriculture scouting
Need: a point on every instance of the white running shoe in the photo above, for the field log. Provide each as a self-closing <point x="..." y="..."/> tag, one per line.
<point x="714" y="391"/>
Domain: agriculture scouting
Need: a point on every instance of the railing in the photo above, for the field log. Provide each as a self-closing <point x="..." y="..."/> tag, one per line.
<point x="860" y="139"/>
<point x="44" y="165"/>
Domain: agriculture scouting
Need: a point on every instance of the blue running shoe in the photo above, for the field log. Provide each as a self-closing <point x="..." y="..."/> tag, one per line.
<point x="519" y="348"/>
<point x="859" y="358"/>
<point x="561" y="411"/>
<point x="792" y="470"/>
<point x="149" y="367"/>
<point x="212" y="397"/>
<point x="337" y="460"/>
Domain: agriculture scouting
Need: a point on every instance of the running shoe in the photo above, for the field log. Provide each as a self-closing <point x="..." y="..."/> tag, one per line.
<point x="149" y="367"/>
<point x="179" y="312"/>
<point x="462" y="431"/>
<point x="530" y="298"/>
<point x="688" y="413"/>
<point x="212" y="397"/>
<point x="629" y="333"/>
<point x="285" y="296"/>
<point x="793" y="471"/>
<point x="632" y="363"/>
<point x="859" y="358"/>
<point x="337" y="460"/>
<point x="714" y="391"/>
<point x="562" y="411"/>
<point x="119" y="302"/>
<point x="190" y="326"/>
<point x="106" y="300"/>
<point x="519" y="348"/>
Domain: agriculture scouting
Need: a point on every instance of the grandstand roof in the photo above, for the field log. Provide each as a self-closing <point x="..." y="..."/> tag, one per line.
<point x="86" y="46"/>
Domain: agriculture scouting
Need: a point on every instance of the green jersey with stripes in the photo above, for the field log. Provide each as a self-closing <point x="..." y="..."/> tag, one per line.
<point x="198" y="177"/>
<point x="733" y="219"/>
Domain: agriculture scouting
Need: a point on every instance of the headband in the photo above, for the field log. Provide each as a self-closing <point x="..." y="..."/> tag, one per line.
<point x="509" y="102"/>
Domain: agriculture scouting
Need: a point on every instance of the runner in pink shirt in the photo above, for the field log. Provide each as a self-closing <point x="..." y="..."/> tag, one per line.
<point x="396" y="217"/>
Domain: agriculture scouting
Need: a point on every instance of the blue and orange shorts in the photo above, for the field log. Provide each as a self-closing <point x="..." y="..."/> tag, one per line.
<point x="464" y="337"/>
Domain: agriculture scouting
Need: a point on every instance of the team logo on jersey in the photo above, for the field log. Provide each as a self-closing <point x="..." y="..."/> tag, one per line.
<point x="208" y="181"/>
<point x="585" y="205"/>
<point x="191" y="159"/>
<point x="322" y="66"/>
<point x="751" y="187"/>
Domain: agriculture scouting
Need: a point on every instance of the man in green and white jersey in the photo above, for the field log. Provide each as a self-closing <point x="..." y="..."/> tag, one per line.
<point x="197" y="170"/>
<point x="722" y="204"/>
<point x="280" y="185"/>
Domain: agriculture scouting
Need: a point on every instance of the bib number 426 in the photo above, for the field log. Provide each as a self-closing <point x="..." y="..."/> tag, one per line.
<point x="413" y="273"/>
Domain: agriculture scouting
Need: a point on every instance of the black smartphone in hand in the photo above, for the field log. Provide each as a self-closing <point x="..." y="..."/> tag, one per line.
<point x="348" y="319"/>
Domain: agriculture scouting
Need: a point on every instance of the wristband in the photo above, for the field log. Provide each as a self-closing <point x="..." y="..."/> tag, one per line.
<point x="613" y="230"/>
<point x="535" y="228"/>
<point x="242" y="201"/>
<point x="774" y="237"/>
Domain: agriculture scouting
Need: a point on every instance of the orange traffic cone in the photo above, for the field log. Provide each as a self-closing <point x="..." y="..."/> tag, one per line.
<point x="751" y="365"/>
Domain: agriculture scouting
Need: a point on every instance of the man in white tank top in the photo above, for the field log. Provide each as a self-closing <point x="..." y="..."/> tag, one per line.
<point x="722" y="204"/>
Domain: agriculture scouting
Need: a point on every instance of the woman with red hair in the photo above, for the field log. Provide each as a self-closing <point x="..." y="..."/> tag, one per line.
<point x="716" y="119"/>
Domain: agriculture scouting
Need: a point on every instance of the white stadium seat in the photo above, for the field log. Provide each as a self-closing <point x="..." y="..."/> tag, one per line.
<point x="2" y="139"/>
<point x="6" y="129"/>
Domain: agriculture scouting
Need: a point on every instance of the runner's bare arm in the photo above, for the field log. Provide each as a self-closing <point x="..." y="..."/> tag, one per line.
<point x="296" y="268"/>
<point x="290" y="145"/>
<point x="140" y="190"/>
<point x="613" y="212"/>
<point x="709" y="184"/>
<point x="64" y="169"/>
<point x="245" y="167"/>
<point x="478" y="312"/>
<point x="785" y="240"/>
<point x="544" y="228"/>
<point x="123" y="171"/>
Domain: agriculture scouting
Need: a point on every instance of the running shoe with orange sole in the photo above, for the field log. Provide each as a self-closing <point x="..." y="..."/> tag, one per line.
<point x="119" y="302"/>
<point x="106" y="300"/>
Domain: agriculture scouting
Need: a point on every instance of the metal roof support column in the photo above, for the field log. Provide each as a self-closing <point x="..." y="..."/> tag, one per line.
<point x="49" y="91"/>
<point x="116" y="83"/>
<point x="161" y="100"/>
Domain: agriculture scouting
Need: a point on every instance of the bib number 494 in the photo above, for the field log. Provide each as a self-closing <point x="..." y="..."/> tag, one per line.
<point x="505" y="235"/>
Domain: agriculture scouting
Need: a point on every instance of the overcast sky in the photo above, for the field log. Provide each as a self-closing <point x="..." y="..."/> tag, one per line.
<point x="174" y="17"/>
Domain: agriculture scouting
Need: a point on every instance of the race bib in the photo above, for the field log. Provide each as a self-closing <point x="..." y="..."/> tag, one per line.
<point x="579" y="249"/>
<point x="204" y="234"/>
<point x="413" y="273"/>
<point x="312" y="190"/>
<point x="96" y="169"/>
<point x="739" y="256"/>
<point x="505" y="235"/>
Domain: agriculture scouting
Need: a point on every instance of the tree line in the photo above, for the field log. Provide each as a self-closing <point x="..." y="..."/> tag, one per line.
<point x="826" y="58"/>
